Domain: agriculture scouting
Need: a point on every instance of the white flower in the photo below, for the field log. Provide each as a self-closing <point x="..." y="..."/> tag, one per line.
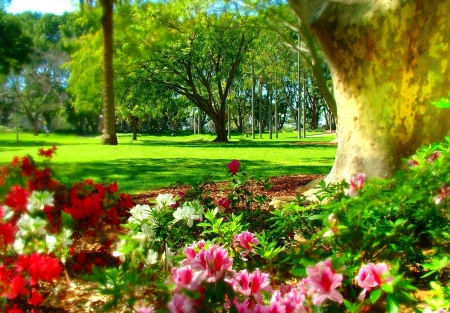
<point x="189" y="211"/>
<point x="139" y="213"/>
<point x="50" y="241"/>
<point x="164" y="200"/>
<point x="141" y="238"/>
<point x="38" y="200"/>
<point x="31" y="225"/>
<point x="8" y="213"/>
<point x="118" y="253"/>
<point x="19" y="245"/>
<point x="66" y="238"/>
<point x="148" y="230"/>
<point x="152" y="257"/>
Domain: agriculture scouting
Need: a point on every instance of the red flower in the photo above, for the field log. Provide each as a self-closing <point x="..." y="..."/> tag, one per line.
<point x="7" y="234"/>
<point x="17" y="287"/>
<point x="17" y="198"/>
<point x="27" y="166"/>
<point x="38" y="266"/>
<point x="233" y="167"/>
<point x="14" y="309"/>
<point x="36" y="298"/>
<point x="113" y="188"/>
<point x="225" y="203"/>
<point x="47" y="153"/>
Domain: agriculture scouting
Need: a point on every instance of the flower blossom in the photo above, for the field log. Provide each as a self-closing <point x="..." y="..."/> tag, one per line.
<point x="165" y="200"/>
<point x="251" y="284"/>
<point x="333" y="221"/>
<point x="371" y="276"/>
<point x="215" y="261"/>
<point x="323" y="282"/>
<point x="356" y="184"/>
<point x="413" y="163"/>
<point x="139" y="213"/>
<point x="145" y="310"/>
<point x="181" y="303"/>
<point x="189" y="211"/>
<point x="47" y="153"/>
<point x="443" y="193"/>
<point x="187" y="277"/>
<point x="233" y="167"/>
<point x="435" y="155"/>
<point x="38" y="200"/>
<point x="245" y="240"/>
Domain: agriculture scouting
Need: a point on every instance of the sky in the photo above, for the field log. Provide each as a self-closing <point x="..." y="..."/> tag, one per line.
<point x="44" y="6"/>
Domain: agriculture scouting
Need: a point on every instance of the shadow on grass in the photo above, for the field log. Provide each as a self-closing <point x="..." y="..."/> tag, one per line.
<point x="139" y="175"/>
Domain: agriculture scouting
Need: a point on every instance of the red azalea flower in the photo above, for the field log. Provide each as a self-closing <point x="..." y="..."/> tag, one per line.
<point x="113" y="188"/>
<point x="14" y="309"/>
<point x="39" y="267"/>
<point x="225" y="203"/>
<point x="15" y="161"/>
<point x="7" y="234"/>
<point x="27" y="166"/>
<point x="233" y="167"/>
<point x="36" y="298"/>
<point x="17" y="198"/>
<point x="17" y="287"/>
<point x="47" y="153"/>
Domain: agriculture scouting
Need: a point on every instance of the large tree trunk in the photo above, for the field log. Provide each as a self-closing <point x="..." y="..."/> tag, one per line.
<point x="109" y="113"/>
<point x="389" y="59"/>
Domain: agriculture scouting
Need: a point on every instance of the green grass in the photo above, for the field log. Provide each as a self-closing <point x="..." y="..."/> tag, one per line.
<point x="153" y="162"/>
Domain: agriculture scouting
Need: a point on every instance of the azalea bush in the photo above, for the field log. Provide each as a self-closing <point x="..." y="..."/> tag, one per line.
<point x="39" y="222"/>
<point x="365" y="243"/>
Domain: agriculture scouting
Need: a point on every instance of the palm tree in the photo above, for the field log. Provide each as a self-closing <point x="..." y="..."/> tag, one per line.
<point x="109" y="114"/>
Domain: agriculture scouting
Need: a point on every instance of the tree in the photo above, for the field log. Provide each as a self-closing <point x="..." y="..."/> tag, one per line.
<point x="389" y="60"/>
<point x="109" y="114"/>
<point x="15" y="46"/>
<point x="198" y="59"/>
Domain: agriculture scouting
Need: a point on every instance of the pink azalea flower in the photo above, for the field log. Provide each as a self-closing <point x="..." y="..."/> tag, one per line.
<point x="145" y="310"/>
<point x="413" y="163"/>
<point x="293" y="298"/>
<point x="215" y="261"/>
<point x="356" y="184"/>
<point x="181" y="303"/>
<point x="191" y="251"/>
<point x="186" y="277"/>
<point x="323" y="282"/>
<point x="333" y="221"/>
<point x="434" y="156"/>
<point x="245" y="240"/>
<point x="251" y="284"/>
<point x="370" y="276"/>
<point x="233" y="167"/>
<point x="443" y="193"/>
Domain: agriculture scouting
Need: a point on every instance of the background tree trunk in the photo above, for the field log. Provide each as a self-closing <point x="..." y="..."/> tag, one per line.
<point x="389" y="60"/>
<point x="109" y="113"/>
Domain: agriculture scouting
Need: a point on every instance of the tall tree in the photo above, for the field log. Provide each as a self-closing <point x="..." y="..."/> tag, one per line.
<point x="389" y="60"/>
<point x="109" y="114"/>
<point x="15" y="46"/>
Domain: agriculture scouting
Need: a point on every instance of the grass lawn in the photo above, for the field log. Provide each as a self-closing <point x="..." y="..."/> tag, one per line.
<point x="153" y="162"/>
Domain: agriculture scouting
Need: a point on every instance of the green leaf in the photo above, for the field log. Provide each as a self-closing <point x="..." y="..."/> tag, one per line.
<point x="391" y="304"/>
<point x="298" y="272"/>
<point x="387" y="287"/>
<point x="375" y="295"/>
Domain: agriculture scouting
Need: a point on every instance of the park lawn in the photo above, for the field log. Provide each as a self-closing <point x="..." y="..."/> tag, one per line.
<point x="153" y="162"/>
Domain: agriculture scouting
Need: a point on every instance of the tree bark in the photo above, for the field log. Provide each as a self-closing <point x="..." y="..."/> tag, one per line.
<point x="109" y="113"/>
<point x="389" y="60"/>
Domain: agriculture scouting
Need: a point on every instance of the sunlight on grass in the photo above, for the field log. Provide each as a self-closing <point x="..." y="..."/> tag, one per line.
<point x="159" y="161"/>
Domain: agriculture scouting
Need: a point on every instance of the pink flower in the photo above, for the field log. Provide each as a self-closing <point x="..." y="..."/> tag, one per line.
<point x="251" y="284"/>
<point x="215" y="261"/>
<point x="443" y="193"/>
<point x="356" y="184"/>
<point x="292" y="298"/>
<point x="145" y="310"/>
<point x="333" y="229"/>
<point x="434" y="156"/>
<point x="181" y="303"/>
<point x="186" y="277"/>
<point x="370" y="276"/>
<point x="323" y="282"/>
<point x="233" y="167"/>
<point x="413" y="163"/>
<point x="245" y="240"/>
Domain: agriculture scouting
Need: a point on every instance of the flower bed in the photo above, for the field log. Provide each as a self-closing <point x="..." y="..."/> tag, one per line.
<point x="198" y="252"/>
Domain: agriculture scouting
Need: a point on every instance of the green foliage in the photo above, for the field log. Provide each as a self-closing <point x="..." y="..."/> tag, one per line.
<point x="444" y="103"/>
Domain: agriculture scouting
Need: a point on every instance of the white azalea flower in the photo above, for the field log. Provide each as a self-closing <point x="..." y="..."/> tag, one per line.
<point x="19" y="245"/>
<point x="164" y="200"/>
<point x="189" y="211"/>
<point x="148" y="231"/>
<point x="31" y="225"/>
<point x="141" y="238"/>
<point x="152" y="257"/>
<point x="8" y="213"/>
<point x="66" y="238"/>
<point x="139" y="213"/>
<point x="118" y="253"/>
<point x="50" y="241"/>
<point x="38" y="200"/>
